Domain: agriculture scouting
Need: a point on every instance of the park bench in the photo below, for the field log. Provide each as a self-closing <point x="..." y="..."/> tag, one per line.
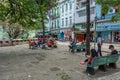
<point x="103" y="60"/>
<point x="78" y="47"/>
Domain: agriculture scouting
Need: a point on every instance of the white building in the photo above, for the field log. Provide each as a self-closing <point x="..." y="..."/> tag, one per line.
<point x="71" y="17"/>
<point x="80" y="18"/>
<point x="62" y="17"/>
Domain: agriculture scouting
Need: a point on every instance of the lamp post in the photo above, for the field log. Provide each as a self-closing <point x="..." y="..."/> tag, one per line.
<point x="59" y="32"/>
<point x="95" y="21"/>
<point x="74" y="31"/>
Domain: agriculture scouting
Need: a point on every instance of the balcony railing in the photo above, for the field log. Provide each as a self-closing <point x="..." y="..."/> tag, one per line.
<point x="79" y="8"/>
<point x="108" y="16"/>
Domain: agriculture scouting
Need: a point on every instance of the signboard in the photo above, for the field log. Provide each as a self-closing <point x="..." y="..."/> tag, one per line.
<point x="108" y="27"/>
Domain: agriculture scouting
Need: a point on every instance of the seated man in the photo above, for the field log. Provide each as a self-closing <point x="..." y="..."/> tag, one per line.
<point x="113" y="51"/>
<point x="73" y="43"/>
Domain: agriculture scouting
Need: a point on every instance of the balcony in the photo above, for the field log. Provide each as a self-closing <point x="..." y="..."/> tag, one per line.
<point x="108" y="16"/>
<point x="80" y="8"/>
<point x="54" y="15"/>
<point x="113" y="26"/>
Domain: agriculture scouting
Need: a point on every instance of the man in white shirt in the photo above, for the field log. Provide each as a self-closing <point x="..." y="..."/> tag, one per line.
<point x="99" y="43"/>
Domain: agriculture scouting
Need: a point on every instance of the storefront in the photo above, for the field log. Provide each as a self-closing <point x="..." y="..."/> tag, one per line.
<point x="80" y="32"/>
<point x="110" y="31"/>
<point x="67" y="34"/>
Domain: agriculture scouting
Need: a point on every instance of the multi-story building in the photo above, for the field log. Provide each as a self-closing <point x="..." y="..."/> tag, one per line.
<point x="54" y="19"/>
<point x="109" y="31"/>
<point x="69" y="17"/>
<point x="62" y="17"/>
<point x="80" y="19"/>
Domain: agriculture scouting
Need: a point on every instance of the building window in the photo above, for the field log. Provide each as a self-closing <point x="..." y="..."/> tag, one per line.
<point x="66" y="21"/>
<point x="52" y="25"/>
<point x="70" y="19"/>
<point x="62" y="22"/>
<point x="83" y="13"/>
<point x="57" y="10"/>
<point x="62" y="8"/>
<point x="57" y="22"/>
<point x="91" y="1"/>
<point x="83" y="4"/>
<point x="71" y="6"/>
<point x="92" y="10"/>
<point x="66" y="7"/>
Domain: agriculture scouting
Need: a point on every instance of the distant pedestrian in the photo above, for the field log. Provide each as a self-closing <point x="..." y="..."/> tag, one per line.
<point x="99" y="44"/>
<point x="119" y="39"/>
<point x="40" y="39"/>
<point x="70" y="38"/>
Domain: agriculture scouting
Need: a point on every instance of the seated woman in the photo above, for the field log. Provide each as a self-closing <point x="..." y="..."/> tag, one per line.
<point x="48" y="43"/>
<point x="90" y="70"/>
<point x="31" y="43"/>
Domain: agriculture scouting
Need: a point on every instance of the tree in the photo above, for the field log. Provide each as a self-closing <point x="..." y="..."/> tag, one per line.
<point x="14" y="31"/>
<point x="13" y="11"/>
<point x="43" y="7"/>
<point x="26" y="13"/>
<point x="106" y="4"/>
<point x="88" y="27"/>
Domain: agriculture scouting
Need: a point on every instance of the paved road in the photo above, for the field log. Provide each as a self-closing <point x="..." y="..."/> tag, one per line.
<point x="21" y="63"/>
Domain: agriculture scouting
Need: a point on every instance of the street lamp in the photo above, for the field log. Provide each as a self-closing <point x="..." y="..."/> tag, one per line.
<point x="95" y="21"/>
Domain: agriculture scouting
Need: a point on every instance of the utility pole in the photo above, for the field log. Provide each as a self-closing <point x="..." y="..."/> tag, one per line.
<point x="88" y="27"/>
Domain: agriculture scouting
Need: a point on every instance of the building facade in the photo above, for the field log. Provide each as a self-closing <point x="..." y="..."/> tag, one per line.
<point x="62" y="18"/>
<point x="109" y="30"/>
<point x="80" y="19"/>
<point x="69" y="17"/>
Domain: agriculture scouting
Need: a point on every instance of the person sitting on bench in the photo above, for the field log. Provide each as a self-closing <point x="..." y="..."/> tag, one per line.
<point x="113" y="52"/>
<point x="90" y="70"/>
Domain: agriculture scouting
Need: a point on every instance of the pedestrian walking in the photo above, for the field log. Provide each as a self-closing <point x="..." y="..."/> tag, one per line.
<point x="99" y="44"/>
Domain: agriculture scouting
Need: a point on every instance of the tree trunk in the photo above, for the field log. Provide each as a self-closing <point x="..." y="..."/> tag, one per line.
<point x="43" y="26"/>
<point x="88" y="27"/>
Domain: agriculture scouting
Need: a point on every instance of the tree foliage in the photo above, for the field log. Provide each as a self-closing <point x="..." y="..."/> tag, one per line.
<point x="106" y="4"/>
<point x="24" y="12"/>
<point x="27" y="13"/>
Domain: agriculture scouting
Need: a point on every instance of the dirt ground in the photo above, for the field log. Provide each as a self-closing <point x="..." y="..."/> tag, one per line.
<point x="20" y="63"/>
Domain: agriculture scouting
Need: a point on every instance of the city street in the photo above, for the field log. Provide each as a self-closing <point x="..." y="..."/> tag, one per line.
<point x="20" y="63"/>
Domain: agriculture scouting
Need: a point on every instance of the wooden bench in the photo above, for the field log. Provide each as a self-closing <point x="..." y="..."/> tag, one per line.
<point x="103" y="60"/>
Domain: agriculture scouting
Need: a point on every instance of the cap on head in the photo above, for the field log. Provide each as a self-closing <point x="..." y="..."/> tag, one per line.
<point x="111" y="46"/>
